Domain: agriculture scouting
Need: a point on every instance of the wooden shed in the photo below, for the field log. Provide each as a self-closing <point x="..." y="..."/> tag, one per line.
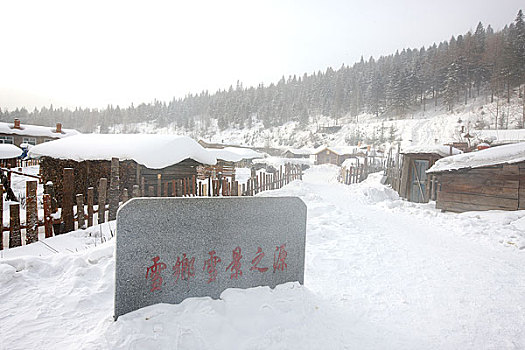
<point x="490" y="179"/>
<point x="334" y="155"/>
<point x="297" y="153"/>
<point x="414" y="184"/>
<point x="151" y="161"/>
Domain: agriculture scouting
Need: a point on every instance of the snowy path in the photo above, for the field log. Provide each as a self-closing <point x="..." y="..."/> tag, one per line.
<point x="380" y="274"/>
<point x="417" y="278"/>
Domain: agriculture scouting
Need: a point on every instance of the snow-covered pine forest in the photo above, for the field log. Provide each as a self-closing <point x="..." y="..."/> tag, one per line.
<point x="480" y="66"/>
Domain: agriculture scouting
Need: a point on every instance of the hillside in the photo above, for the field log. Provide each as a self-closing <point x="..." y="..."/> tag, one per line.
<point x="419" y="128"/>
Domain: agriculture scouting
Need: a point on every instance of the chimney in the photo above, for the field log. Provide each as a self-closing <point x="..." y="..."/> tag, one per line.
<point x="59" y="128"/>
<point x="17" y="123"/>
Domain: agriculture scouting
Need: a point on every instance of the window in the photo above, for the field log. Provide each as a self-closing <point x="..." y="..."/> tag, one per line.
<point x="29" y="140"/>
<point x="7" y="139"/>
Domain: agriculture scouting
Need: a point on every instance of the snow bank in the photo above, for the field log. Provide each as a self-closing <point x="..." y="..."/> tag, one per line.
<point x="8" y="151"/>
<point x="443" y="151"/>
<point x="381" y="273"/>
<point x="151" y="150"/>
<point x="506" y="154"/>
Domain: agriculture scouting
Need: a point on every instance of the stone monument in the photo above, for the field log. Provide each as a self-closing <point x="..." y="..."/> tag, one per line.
<point x="170" y="249"/>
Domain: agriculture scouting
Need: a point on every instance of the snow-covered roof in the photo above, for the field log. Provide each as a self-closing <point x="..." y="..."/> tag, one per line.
<point x="8" y="151"/>
<point x="36" y="130"/>
<point x="506" y="154"/>
<point x="152" y="151"/>
<point x="501" y="136"/>
<point x="299" y="151"/>
<point x="339" y="150"/>
<point x="443" y="151"/>
<point x="235" y="154"/>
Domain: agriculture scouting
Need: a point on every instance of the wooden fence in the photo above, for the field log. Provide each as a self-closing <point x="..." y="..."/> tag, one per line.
<point x="356" y="173"/>
<point x="76" y="210"/>
<point x="352" y="175"/>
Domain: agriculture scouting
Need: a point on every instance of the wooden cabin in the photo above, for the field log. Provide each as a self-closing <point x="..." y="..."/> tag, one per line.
<point x="334" y="155"/>
<point x="152" y="162"/>
<point x="490" y="179"/>
<point x="294" y="153"/>
<point x="414" y="184"/>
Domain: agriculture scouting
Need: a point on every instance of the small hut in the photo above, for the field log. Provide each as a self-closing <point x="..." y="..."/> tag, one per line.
<point x="151" y="161"/>
<point x="490" y="179"/>
<point x="334" y="155"/>
<point x="416" y="160"/>
<point x="297" y="153"/>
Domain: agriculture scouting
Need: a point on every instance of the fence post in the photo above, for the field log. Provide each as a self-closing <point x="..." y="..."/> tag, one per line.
<point x="31" y="213"/>
<point x="15" y="237"/>
<point x="136" y="191"/>
<point x="151" y="191"/>
<point x="48" y="228"/>
<point x="90" y="200"/>
<point x="114" y="190"/>
<point x="102" y="187"/>
<point x="67" y="200"/>
<point x="159" y="185"/>
<point x="1" y="217"/>
<point x="125" y="196"/>
<point x="80" y="211"/>
<point x="175" y="185"/>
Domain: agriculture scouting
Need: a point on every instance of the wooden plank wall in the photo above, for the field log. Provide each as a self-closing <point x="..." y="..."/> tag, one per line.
<point x="489" y="188"/>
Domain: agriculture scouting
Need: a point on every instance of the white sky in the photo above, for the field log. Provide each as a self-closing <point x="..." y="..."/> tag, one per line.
<point x="94" y="53"/>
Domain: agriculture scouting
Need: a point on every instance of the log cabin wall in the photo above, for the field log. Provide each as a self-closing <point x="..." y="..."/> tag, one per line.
<point x="327" y="157"/>
<point x="500" y="187"/>
<point x="88" y="173"/>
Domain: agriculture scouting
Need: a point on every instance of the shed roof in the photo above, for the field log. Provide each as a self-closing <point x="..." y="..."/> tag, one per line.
<point x="152" y="151"/>
<point x="498" y="137"/>
<point x="443" y="151"/>
<point x="339" y="150"/>
<point x="36" y="130"/>
<point x="299" y="151"/>
<point x="507" y="154"/>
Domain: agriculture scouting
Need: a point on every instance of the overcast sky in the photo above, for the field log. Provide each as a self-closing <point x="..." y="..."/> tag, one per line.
<point x="94" y="53"/>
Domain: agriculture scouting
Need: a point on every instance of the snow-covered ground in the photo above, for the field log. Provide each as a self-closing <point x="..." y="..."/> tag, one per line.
<point x="381" y="273"/>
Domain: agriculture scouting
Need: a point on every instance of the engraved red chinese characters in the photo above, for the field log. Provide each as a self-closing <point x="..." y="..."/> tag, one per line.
<point x="279" y="257"/>
<point x="235" y="265"/>
<point x="258" y="257"/>
<point x="154" y="273"/>
<point x="210" y="266"/>
<point x="184" y="268"/>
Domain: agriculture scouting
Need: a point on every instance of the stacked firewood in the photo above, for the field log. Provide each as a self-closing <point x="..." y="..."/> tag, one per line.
<point x="86" y="174"/>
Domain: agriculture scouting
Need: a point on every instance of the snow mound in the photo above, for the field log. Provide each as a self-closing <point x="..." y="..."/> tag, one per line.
<point x="8" y="151"/>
